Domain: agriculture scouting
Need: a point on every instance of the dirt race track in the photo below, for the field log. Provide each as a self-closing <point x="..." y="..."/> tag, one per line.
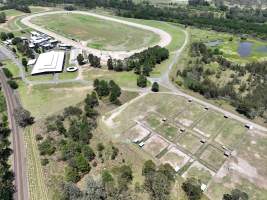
<point x="165" y="37"/>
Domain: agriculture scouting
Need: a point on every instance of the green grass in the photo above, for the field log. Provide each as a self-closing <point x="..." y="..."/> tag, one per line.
<point x="213" y="157"/>
<point x="190" y="142"/>
<point x="12" y="67"/>
<point x="124" y="79"/>
<point x="175" y="30"/>
<point x="168" y="131"/>
<point x="68" y="75"/>
<point x="231" y="134"/>
<point x="153" y="121"/>
<point x="41" y="77"/>
<point x="105" y="34"/>
<point x="191" y="114"/>
<point x="200" y="172"/>
<point x="210" y="124"/>
<point x="44" y="100"/>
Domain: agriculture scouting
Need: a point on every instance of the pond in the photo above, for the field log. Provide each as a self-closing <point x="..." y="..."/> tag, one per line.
<point x="245" y="48"/>
<point x="214" y="43"/>
<point x="262" y="49"/>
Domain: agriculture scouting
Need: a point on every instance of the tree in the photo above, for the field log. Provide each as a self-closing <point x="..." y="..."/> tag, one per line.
<point x="149" y="167"/>
<point x="16" y="40"/>
<point x="115" y="92"/>
<point x="72" y="111"/>
<point x="110" y="63"/>
<point x="80" y="59"/>
<point x="3" y="36"/>
<point x="158" y="186"/>
<point x="10" y="35"/>
<point x="2" y="17"/>
<point x="91" y="100"/>
<point x="90" y="112"/>
<point x="103" y="88"/>
<point x="192" y="188"/>
<point x="141" y="81"/>
<point x="94" y="190"/>
<point x="167" y="170"/>
<point x="80" y="163"/>
<point x="72" y="174"/>
<point x="7" y="73"/>
<point x="25" y="64"/>
<point x="88" y="152"/>
<point x="125" y="177"/>
<point x="46" y="147"/>
<point x="23" y="117"/>
<point x="236" y="194"/>
<point x="155" y="87"/>
<point x="13" y="84"/>
<point x="70" y="191"/>
<point x="107" y="177"/>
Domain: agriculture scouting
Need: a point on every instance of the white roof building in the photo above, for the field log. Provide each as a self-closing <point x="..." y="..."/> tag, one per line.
<point x="52" y="61"/>
<point x="31" y="62"/>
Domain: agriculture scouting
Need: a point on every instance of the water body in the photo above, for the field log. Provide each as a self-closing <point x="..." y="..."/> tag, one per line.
<point x="245" y="48"/>
<point x="262" y="49"/>
<point x="214" y="43"/>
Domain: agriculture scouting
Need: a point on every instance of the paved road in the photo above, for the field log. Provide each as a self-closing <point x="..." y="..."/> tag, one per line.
<point x="19" y="159"/>
<point x="165" y="37"/>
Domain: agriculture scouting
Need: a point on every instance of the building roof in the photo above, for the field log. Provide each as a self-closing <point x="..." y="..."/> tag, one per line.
<point x="49" y="62"/>
<point x="31" y="62"/>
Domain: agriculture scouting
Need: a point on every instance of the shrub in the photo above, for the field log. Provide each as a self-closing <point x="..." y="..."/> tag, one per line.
<point x="155" y="87"/>
<point x="7" y="73"/>
<point x="13" y="84"/>
<point x="44" y="161"/>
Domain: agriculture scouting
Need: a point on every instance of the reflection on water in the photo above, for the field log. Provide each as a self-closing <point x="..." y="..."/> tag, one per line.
<point x="262" y="49"/>
<point x="244" y="49"/>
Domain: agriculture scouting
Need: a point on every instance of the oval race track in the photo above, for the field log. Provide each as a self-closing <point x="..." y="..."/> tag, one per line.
<point x="165" y="37"/>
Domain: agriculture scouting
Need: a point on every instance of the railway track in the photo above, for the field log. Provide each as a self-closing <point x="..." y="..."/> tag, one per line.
<point x="19" y="159"/>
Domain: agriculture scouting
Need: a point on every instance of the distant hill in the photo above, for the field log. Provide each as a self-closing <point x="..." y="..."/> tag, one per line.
<point x="247" y="2"/>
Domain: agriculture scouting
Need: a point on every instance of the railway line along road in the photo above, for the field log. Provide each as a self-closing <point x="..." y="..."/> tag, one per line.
<point x="19" y="159"/>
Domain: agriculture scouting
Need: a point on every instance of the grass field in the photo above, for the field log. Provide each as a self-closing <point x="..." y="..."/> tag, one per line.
<point x="210" y="124"/>
<point x="231" y="134"/>
<point x="200" y="172"/>
<point x="98" y="33"/>
<point x="154" y="145"/>
<point x="37" y="187"/>
<point x="175" y="158"/>
<point x="190" y="115"/>
<point x="44" y="100"/>
<point x="190" y="142"/>
<point x="168" y="131"/>
<point x="153" y="120"/>
<point x="124" y="79"/>
<point x="213" y="157"/>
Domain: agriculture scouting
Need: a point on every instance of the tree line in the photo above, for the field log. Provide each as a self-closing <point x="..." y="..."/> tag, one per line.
<point x="142" y="63"/>
<point x="6" y="174"/>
